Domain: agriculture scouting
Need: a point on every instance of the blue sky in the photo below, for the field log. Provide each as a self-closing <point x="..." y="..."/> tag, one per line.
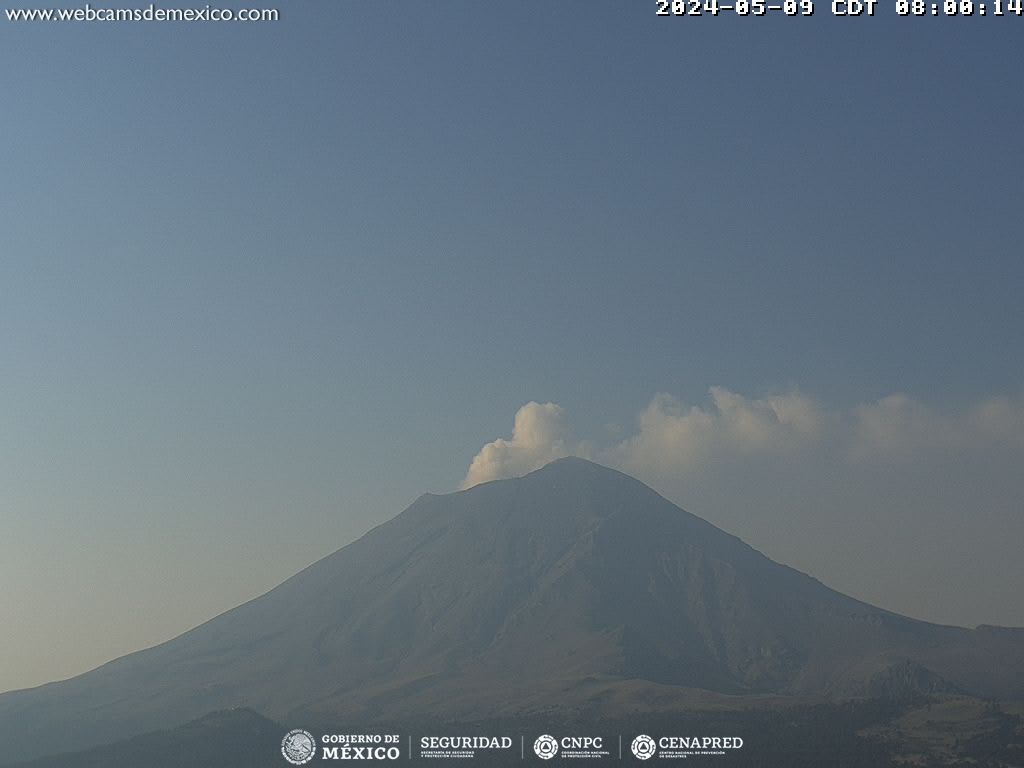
<point x="262" y="285"/>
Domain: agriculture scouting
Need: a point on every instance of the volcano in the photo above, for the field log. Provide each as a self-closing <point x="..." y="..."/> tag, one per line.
<point x="575" y="588"/>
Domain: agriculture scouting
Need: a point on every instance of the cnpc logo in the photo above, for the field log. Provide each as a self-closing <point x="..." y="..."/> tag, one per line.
<point x="545" y="747"/>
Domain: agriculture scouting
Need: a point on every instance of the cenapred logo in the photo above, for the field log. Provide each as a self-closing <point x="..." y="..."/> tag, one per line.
<point x="643" y="747"/>
<point x="545" y="747"/>
<point x="298" y="747"/>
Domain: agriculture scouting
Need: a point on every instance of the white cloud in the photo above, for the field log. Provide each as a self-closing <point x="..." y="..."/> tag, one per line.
<point x="897" y="428"/>
<point x="674" y="437"/>
<point x="537" y="438"/>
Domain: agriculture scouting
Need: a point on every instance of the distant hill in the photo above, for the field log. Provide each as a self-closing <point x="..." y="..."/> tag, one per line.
<point x="573" y="589"/>
<point x="238" y="738"/>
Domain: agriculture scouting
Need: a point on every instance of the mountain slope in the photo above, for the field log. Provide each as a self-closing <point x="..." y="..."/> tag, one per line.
<point x="238" y="738"/>
<point x="571" y="583"/>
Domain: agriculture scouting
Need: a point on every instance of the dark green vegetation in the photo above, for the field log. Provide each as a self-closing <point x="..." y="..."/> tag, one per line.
<point x="575" y="592"/>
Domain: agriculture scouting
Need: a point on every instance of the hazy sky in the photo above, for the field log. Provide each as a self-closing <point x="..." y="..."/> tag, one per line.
<point x="262" y="285"/>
